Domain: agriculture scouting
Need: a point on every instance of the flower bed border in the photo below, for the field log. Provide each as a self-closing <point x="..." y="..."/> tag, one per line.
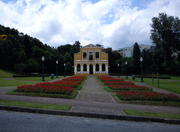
<point x="40" y="94"/>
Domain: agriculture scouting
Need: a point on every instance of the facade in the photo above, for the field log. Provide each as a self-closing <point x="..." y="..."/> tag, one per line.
<point x="91" y="60"/>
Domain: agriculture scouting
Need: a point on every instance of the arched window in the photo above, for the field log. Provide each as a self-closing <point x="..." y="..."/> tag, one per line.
<point x="78" y="67"/>
<point x="103" y="67"/>
<point x="84" y="67"/>
<point x="84" y="55"/>
<point x="97" y="67"/>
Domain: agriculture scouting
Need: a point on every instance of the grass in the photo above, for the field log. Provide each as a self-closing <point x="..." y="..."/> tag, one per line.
<point x="35" y="105"/>
<point x="7" y="79"/>
<point x="5" y="74"/>
<point x="151" y="114"/>
<point x="71" y="96"/>
<point x="167" y="84"/>
<point x="21" y="81"/>
<point x="175" y="77"/>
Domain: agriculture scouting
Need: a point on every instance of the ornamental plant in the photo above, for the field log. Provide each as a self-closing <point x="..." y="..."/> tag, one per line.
<point x="129" y="87"/>
<point x="149" y="96"/>
<point x="64" y="86"/>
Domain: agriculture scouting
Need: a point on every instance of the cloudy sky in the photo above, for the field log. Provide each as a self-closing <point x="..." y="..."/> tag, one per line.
<point x="113" y="23"/>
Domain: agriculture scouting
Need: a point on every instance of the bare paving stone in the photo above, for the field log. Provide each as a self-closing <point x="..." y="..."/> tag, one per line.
<point x="93" y="91"/>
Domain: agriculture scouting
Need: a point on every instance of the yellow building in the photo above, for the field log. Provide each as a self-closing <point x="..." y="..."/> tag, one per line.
<point x="91" y="60"/>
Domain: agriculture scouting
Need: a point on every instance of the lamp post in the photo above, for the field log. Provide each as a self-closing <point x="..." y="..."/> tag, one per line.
<point x="118" y="70"/>
<point x="57" y="68"/>
<point x="72" y="69"/>
<point x="43" y="59"/>
<point x="141" y="60"/>
<point x="64" y="69"/>
<point x="126" y="69"/>
<point x="157" y="75"/>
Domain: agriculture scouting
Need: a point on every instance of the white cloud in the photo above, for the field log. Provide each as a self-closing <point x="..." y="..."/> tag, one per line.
<point x="114" y="23"/>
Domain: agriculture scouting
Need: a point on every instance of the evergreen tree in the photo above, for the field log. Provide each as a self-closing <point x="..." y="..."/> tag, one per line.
<point x="136" y="58"/>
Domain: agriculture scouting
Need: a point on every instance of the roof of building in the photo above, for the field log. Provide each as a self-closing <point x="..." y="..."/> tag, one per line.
<point x="92" y="46"/>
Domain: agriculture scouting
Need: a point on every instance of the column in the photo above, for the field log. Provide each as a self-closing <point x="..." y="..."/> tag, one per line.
<point x="100" y="68"/>
<point x="81" y="68"/>
<point x="87" y="68"/>
<point x="75" y="69"/>
<point x="94" y="68"/>
<point x="106" y="68"/>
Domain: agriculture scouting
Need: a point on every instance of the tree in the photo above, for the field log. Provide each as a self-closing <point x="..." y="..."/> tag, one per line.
<point x="165" y="33"/>
<point x="136" y="58"/>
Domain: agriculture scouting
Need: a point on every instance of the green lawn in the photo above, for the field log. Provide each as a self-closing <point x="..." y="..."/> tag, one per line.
<point x="4" y="82"/>
<point x="34" y="105"/>
<point x="5" y="74"/>
<point x="167" y="84"/>
<point x="7" y="79"/>
<point x="151" y="114"/>
<point x="175" y="77"/>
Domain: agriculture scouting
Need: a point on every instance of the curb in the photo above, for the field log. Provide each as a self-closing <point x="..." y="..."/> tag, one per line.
<point x="89" y="115"/>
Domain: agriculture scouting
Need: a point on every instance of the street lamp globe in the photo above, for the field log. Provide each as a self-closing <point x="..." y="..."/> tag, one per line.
<point x="141" y="59"/>
<point x="42" y="58"/>
<point x="126" y="62"/>
<point x="64" y="64"/>
<point x="56" y="61"/>
<point x="118" y="65"/>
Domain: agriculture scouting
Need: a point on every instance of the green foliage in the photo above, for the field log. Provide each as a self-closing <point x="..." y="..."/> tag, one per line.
<point x="22" y="53"/>
<point x="114" y="59"/>
<point x="165" y="33"/>
<point x="136" y="58"/>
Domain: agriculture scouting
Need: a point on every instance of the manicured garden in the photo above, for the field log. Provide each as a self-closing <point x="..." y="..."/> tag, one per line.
<point x="127" y="91"/>
<point x="7" y="79"/>
<point x="65" y="88"/>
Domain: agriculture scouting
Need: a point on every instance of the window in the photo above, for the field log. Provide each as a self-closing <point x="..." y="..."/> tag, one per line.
<point x="84" y="54"/>
<point x="90" y="55"/>
<point x="84" y="67"/>
<point x="103" y="67"/>
<point x="97" y="67"/>
<point x="78" y="67"/>
<point x="97" y="54"/>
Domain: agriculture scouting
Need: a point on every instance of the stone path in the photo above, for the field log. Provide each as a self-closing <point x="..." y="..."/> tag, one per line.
<point x="93" y="91"/>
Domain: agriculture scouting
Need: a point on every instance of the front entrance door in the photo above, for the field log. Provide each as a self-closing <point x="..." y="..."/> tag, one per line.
<point x="91" y="69"/>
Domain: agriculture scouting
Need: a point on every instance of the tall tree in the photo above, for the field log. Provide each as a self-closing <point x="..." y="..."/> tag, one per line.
<point x="165" y="33"/>
<point x="136" y="58"/>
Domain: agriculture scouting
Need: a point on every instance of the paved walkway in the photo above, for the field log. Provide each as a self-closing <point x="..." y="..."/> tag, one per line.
<point x="92" y="99"/>
<point x="93" y="90"/>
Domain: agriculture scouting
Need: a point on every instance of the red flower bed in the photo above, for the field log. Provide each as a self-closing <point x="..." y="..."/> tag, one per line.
<point x="45" y="89"/>
<point x="128" y="87"/>
<point x="109" y="78"/>
<point x="151" y="96"/>
<point x="118" y="82"/>
<point x="65" y="86"/>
